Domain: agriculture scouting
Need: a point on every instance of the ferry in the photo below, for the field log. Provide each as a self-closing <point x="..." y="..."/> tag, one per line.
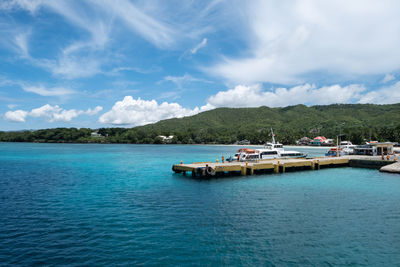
<point x="271" y="150"/>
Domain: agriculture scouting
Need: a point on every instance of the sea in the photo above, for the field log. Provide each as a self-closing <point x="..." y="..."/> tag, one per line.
<point x="121" y="204"/>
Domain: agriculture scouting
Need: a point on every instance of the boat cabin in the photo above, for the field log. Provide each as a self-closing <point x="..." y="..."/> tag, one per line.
<point x="277" y="146"/>
<point x="345" y="143"/>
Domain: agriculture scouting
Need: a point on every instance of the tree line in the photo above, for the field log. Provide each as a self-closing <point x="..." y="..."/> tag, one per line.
<point x="208" y="136"/>
<point x="355" y="122"/>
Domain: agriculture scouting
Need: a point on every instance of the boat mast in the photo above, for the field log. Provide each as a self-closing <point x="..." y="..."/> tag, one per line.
<point x="273" y="136"/>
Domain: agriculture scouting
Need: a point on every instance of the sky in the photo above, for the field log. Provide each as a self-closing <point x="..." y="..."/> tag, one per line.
<point x="121" y="63"/>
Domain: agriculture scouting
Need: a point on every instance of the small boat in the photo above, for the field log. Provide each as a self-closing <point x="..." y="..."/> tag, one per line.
<point x="333" y="152"/>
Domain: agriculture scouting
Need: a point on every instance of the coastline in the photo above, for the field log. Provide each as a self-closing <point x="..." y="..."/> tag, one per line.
<point x="225" y="145"/>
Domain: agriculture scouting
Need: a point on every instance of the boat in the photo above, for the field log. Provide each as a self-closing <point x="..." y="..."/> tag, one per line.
<point x="271" y="150"/>
<point x="347" y="147"/>
<point x="333" y="152"/>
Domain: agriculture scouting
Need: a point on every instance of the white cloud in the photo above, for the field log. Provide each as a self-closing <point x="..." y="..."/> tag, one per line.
<point x="163" y="25"/>
<point x="55" y="113"/>
<point x="72" y="66"/>
<point x="82" y="58"/>
<point x="22" y="44"/>
<point x="30" y="5"/>
<point x="11" y="106"/>
<point x="94" y="111"/>
<point x="388" y="77"/>
<point x="140" y="112"/>
<point x="186" y="78"/>
<point x="384" y="95"/>
<point x="50" y="113"/>
<point x="134" y="112"/>
<point x="16" y="116"/>
<point x="148" y="27"/>
<point x="199" y="46"/>
<point x="255" y="96"/>
<point x="41" y="90"/>
<point x="85" y="57"/>
<point x="287" y="42"/>
<point x="38" y="89"/>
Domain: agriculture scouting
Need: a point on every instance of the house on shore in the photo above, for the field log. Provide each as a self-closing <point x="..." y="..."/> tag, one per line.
<point x="96" y="135"/>
<point x="321" y="141"/>
<point x="242" y="142"/>
<point x="166" y="139"/>
<point x="318" y="141"/>
<point x="303" y="141"/>
<point x="375" y="149"/>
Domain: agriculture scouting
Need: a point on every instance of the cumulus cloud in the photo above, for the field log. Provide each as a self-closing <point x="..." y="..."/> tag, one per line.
<point x="137" y="112"/>
<point x="384" y="95"/>
<point x="140" y="112"/>
<point x="288" y="42"/>
<point x="94" y="111"/>
<point x="16" y="116"/>
<point x="199" y="46"/>
<point x="254" y="96"/>
<point x="50" y="113"/>
<point x="55" y="113"/>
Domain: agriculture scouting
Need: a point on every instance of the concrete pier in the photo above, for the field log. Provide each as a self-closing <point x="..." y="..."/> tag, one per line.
<point x="207" y="169"/>
<point x="393" y="168"/>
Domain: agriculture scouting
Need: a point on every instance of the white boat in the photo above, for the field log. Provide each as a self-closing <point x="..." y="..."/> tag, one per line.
<point x="347" y="147"/>
<point x="271" y="150"/>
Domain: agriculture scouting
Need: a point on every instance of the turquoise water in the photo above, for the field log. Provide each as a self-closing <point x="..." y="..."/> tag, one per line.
<point x="77" y="204"/>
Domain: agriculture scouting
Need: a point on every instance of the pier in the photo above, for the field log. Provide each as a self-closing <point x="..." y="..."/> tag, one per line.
<point x="209" y="169"/>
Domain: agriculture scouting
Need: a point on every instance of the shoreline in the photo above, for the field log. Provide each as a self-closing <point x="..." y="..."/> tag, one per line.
<point x="109" y="143"/>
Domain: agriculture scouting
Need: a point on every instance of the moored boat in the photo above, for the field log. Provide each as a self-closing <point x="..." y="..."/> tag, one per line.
<point x="347" y="147"/>
<point x="333" y="152"/>
<point x="271" y="150"/>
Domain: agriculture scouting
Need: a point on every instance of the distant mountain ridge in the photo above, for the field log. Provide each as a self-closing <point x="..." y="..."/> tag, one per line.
<point x="227" y="125"/>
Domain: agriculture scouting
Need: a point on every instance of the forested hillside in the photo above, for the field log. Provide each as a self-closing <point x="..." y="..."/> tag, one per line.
<point x="227" y="125"/>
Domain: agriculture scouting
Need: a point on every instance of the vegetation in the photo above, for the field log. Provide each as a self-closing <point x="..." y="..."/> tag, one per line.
<point x="226" y="125"/>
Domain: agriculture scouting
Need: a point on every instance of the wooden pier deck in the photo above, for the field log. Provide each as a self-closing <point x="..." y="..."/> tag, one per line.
<point x="207" y="169"/>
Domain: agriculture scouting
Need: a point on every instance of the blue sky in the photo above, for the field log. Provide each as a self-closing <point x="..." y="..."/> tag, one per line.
<point x="93" y="63"/>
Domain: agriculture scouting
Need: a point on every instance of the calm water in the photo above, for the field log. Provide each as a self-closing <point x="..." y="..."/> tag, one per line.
<point x="122" y="204"/>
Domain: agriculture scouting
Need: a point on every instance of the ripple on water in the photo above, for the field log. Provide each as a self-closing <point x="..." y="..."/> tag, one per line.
<point x="96" y="205"/>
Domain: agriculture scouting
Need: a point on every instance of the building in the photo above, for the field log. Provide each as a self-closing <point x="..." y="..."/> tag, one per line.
<point x="374" y="149"/>
<point x="166" y="139"/>
<point x="303" y="141"/>
<point x="96" y="135"/>
<point x="318" y="141"/>
<point x="242" y="142"/>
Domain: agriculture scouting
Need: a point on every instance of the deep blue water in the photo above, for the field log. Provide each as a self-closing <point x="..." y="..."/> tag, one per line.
<point x="78" y="204"/>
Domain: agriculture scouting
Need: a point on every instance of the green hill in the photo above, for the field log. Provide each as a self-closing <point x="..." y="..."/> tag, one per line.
<point x="227" y="125"/>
